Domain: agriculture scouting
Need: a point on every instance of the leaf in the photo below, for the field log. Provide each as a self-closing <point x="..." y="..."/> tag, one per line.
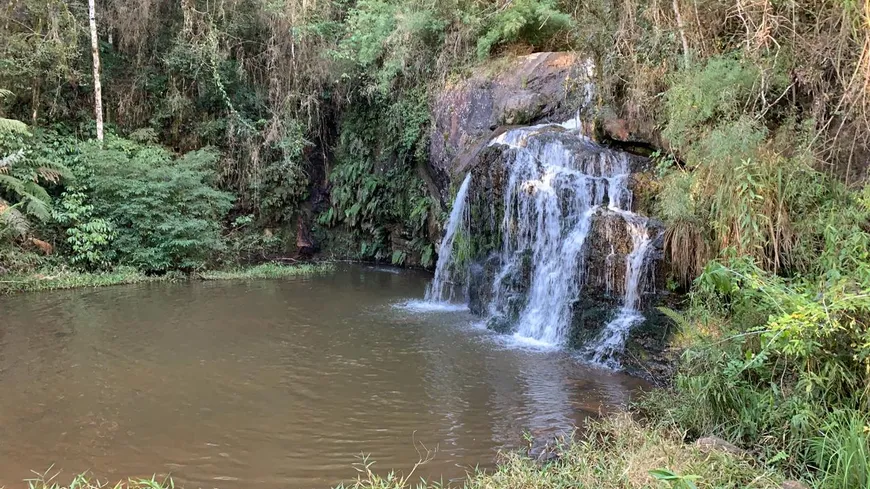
<point x="12" y="126"/>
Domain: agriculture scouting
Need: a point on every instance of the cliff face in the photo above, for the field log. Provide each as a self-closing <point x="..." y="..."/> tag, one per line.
<point x="545" y="87"/>
<point x="506" y="92"/>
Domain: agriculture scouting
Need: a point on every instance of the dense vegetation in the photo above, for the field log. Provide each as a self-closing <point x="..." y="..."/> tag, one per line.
<point x="234" y="117"/>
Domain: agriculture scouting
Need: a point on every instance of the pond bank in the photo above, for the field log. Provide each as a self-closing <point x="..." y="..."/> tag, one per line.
<point x="614" y="453"/>
<point x="57" y="279"/>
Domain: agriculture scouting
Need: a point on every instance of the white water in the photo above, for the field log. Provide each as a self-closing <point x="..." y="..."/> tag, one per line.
<point x="610" y="344"/>
<point x="553" y="194"/>
<point x="442" y="288"/>
<point x="555" y="188"/>
<point x="551" y="197"/>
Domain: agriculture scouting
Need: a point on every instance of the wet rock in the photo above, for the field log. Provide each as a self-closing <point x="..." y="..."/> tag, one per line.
<point x="709" y="444"/>
<point x="402" y="246"/>
<point x="590" y="313"/>
<point x="305" y="245"/>
<point x="610" y="241"/>
<point x="544" y="451"/>
<point x="510" y="91"/>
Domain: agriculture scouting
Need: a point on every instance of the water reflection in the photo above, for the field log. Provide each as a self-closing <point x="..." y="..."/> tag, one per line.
<point x="270" y="383"/>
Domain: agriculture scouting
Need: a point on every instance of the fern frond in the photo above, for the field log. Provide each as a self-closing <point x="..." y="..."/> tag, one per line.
<point x="13" y="221"/>
<point x="39" y="209"/>
<point x="35" y="199"/>
<point x="8" y="161"/>
<point x="52" y="170"/>
<point x="676" y="317"/>
<point x="13" y="126"/>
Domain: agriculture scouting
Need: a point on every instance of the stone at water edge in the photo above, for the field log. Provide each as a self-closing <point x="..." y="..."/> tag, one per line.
<point x="545" y="450"/>
<point x="715" y="444"/>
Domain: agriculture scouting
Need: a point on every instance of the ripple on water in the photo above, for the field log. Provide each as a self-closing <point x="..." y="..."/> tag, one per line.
<point x="416" y="305"/>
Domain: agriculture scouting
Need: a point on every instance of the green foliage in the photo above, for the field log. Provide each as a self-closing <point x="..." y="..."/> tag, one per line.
<point x="530" y="21"/>
<point x="377" y="192"/>
<point x="87" y="481"/>
<point x="284" y="184"/>
<point x="269" y="271"/>
<point x="61" y="278"/>
<point x="675" y="480"/>
<point x="24" y="173"/>
<point x="842" y="450"/>
<point x="614" y="453"/>
<point x="89" y="238"/>
<point x="244" y="242"/>
<point x="708" y="94"/>
<point x="165" y="210"/>
<point x="788" y="373"/>
<point x="40" y="54"/>
<point x="391" y="44"/>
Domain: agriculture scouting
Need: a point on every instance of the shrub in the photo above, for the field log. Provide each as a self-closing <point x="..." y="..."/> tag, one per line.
<point x="165" y="210"/>
<point x="530" y="21"/>
<point x="788" y="373"/>
<point x="377" y="190"/>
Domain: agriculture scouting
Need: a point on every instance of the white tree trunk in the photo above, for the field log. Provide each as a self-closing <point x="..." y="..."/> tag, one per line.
<point x="95" y="51"/>
<point x="682" y="30"/>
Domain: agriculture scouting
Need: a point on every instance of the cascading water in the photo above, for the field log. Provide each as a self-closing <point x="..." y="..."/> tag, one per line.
<point x="557" y="187"/>
<point x="549" y="200"/>
<point x="442" y="288"/>
<point x="611" y="341"/>
<point x="552" y="195"/>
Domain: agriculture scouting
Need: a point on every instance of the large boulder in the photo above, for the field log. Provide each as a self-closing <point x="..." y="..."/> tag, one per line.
<point x="505" y="92"/>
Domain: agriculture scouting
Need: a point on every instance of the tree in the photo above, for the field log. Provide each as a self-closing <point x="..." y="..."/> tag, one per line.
<point x="95" y="50"/>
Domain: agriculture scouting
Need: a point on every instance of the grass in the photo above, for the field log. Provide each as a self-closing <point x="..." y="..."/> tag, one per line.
<point x="616" y="453"/>
<point x="86" y="481"/>
<point x="269" y="270"/>
<point x="55" y="279"/>
<point x="70" y="279"/>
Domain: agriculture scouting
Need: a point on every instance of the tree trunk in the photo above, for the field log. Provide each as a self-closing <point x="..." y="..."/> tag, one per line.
<point x="95" y="50"/>
<point x="682" y="30"/>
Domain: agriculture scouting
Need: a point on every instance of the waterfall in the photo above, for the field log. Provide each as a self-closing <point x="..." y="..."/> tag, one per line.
<point x="442" y="287"/>
<point x="611" y="341"/>
<point x="553" y="192"/>
<point x="557" y="189"/>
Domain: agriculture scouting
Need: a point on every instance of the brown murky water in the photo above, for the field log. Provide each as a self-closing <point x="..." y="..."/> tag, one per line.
<point x="271" y="384"/>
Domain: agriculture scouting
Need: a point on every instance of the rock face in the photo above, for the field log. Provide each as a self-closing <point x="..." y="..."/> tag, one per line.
<point x="518" y="92"/>
<point x="506" y="92"/>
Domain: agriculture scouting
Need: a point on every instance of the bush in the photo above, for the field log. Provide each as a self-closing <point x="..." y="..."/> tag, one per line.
<point x="788" y="372"/>
<point x="165" y="210"/>
<point x="530" y="21"/>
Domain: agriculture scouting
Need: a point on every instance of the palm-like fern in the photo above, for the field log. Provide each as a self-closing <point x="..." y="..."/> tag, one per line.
<point x="20" y="179"/>
<point x="8" y="126"/>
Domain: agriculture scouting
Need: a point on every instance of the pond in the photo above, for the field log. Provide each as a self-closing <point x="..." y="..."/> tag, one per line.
<point x="273" y="383"/>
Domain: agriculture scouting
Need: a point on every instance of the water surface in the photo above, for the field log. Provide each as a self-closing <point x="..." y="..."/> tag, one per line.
<point x="273" y="383"/>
